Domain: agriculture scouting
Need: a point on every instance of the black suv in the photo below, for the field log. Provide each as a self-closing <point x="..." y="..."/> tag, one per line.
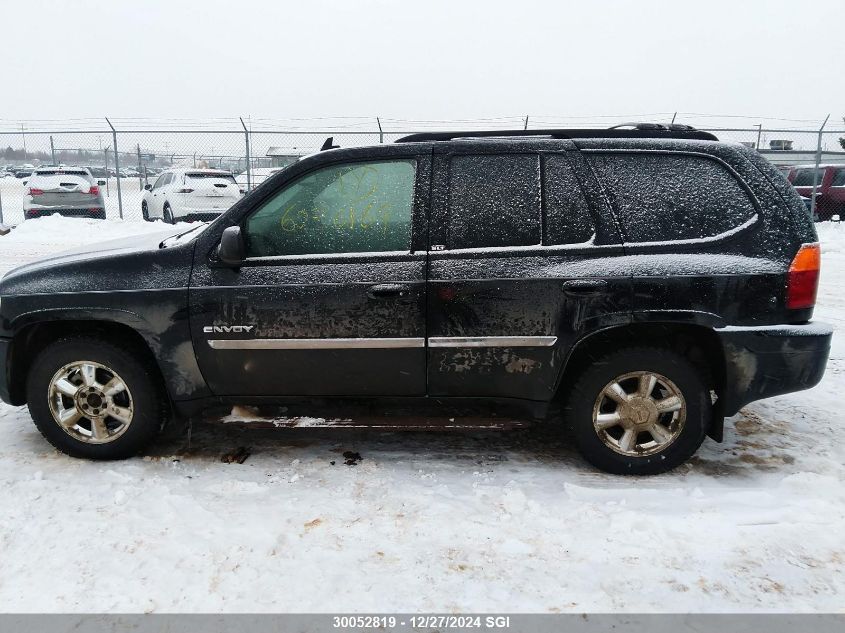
<point x="638" y="285"/>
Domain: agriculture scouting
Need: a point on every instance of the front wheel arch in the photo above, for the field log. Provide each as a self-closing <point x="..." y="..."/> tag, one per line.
<point x="35" y="337"/>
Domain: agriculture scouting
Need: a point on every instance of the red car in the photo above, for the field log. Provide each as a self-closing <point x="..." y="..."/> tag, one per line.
<point x="830" y="188"/>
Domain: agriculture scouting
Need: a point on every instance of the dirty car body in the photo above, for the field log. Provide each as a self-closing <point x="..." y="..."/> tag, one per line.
<point x="463" y="275"/>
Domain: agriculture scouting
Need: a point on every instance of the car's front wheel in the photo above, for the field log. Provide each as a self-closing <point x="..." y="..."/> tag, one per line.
<point x="639" y="411"/>
<point x="93" y="399"/>
<point x="145" y="211"/>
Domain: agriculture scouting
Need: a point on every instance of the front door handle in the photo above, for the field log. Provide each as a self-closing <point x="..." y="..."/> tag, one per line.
<point x="387" y="291"/>
<point x="585" y="287"/>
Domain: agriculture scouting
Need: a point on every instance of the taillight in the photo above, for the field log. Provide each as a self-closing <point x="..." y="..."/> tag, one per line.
<point x="35" y="192"/>
<point x="94" y="190"/>
<point x="802" y="280"/>
<point x="184" y="190"/>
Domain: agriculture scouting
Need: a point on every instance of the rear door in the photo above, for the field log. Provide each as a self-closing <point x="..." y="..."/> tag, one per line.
<point x="521" y="265"/>
<point x="331" y="298"/>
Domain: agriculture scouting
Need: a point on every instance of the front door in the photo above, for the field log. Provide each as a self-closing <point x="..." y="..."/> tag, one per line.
<point x="331" y="298"/>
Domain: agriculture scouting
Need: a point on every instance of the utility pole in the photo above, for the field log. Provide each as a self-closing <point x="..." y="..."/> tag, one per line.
<point x="380" y="131"/>
<point x="52" y="150"/>
<point x="526" y="122"/>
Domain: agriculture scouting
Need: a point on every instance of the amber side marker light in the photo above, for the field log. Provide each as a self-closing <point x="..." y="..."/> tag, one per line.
<point x="802" y="280"/>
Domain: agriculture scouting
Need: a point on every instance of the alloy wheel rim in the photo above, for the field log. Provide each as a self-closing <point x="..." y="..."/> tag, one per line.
<point x="639" y="413"/>
<point x="90" y="402"/>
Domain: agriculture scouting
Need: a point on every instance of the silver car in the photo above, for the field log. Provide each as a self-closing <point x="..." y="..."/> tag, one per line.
<point x="70" y="191"/>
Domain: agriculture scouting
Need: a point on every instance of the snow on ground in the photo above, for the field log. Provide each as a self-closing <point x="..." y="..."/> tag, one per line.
<point x="436" y="521"/>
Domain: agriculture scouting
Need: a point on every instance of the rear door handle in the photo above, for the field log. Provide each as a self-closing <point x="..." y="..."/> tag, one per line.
<point x="387" y="291"/>
<point x="584" y="287"/>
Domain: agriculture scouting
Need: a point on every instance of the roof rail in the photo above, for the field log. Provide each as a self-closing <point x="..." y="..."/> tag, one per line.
<point x="639" y="130"/>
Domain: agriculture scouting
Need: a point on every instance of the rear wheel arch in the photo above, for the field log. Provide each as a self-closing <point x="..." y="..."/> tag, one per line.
<point x="698" y="343"/>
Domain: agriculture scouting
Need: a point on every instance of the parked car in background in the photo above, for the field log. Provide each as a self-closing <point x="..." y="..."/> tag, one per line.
<point x="23" y="172"/>
<point x="189" y="195"/>
<point x="830" y="188"/>
<point x="257" y="175"/>
<point x="98" y="172"/>
<point x="70" y="191"/>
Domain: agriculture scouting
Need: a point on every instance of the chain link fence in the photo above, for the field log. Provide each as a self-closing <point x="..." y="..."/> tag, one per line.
<point x="127" y="160"/>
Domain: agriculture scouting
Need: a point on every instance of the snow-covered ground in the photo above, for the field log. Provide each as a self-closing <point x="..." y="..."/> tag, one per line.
<point x="511" y="521"/>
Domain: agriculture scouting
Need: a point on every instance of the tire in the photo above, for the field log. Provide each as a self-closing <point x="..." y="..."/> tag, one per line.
<point x="140" y="401"/>
<point x="603" y="421"/>
<point x="167" y="214"/>
<point x="145" y="212"/>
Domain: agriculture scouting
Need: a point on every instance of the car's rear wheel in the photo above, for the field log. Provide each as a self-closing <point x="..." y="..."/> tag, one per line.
<point x="93" y="399"/>
<point x="168" y="213"/>
<point x="639" y="411"/>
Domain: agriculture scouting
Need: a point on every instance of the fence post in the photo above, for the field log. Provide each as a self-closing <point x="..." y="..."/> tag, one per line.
<point x="816" y="170"/>
<point x="106" y="167"/>
<point x="759" y="134"/>
<point x="1" y="208"/>
<point x="140" y="170"/>
<point x="248" y="160"/>
<point x="380" y="131"/>
<point x="526" y="122"/>
<point x="52" y="150"/>
<point x="116" y="168"/>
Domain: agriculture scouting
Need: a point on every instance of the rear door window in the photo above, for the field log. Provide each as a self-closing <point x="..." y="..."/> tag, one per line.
<point x="494" y="200"/>
<point x="568" y="218"/>
<point x="838" y="178"/>
<point x="669" y="197"/>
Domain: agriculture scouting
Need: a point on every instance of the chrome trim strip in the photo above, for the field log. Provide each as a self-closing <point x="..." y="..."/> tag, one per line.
<point x="317" y="343"/>
<point x="492" y="341"/>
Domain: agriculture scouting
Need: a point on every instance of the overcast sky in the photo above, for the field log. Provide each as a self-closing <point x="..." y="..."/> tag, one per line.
<point x="426" y="59"/>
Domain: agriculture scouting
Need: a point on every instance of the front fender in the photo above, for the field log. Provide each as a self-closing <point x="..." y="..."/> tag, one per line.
<point x="161" y="321"/>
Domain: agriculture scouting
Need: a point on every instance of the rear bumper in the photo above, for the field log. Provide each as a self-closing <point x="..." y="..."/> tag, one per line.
<point x="198" y="215"/>
<point x="5" y="348"/>
<point x="761" y="362"/>
<point x="93" y="211"/>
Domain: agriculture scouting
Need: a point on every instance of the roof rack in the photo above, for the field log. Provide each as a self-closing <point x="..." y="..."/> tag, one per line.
<point x="637" y="130"/>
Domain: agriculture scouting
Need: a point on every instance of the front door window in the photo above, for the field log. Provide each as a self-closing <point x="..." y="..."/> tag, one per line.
<point x="361" y="207"/>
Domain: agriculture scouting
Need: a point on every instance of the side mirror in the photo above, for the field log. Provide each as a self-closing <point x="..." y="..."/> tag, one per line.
<point x="148" y="187"/>
<point x="232" y="249"/>
<point x="101" y="182"/>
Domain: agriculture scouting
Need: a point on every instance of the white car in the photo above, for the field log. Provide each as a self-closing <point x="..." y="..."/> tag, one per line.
<point x="189" y="194"/>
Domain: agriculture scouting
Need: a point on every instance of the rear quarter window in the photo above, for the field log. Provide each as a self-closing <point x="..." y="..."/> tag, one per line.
<point x="669" y="197"/>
